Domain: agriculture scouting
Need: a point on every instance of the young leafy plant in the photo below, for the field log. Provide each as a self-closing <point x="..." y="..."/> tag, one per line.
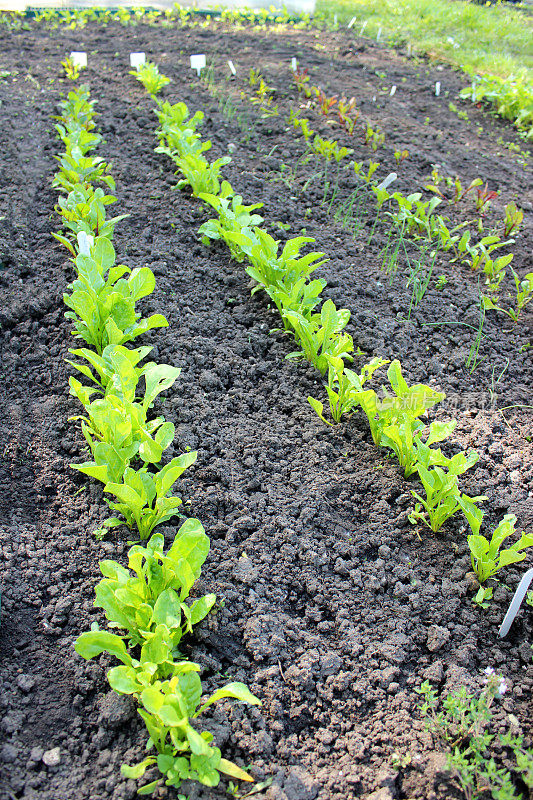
<point x="148" y="74"/>
<point x="488" y="557"/>
<point x="142" y="498"/>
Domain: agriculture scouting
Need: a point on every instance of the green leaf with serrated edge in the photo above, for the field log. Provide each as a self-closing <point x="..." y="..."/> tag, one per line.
<point x="236" y="690"/>
<point x="231" y="769"/>
<point x="92" y="643"/>
<point x="138" y="770"/>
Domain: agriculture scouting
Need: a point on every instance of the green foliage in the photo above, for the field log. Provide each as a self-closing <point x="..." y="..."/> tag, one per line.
<point x="147" y="604"/>
<point x="322" y="335"/>
<point x="344" y="387"/>
<point x="142" y="498"/>
<point x="148" y="74"/>
<point x="443" y="497"/>
<point x="461" y="723"/>
<point x="233" y="217"/>
<point x="102" y="301"/>
<point x="488" y="557"/>
<point x="512" y="98"/>
<point x="84" y="209"/>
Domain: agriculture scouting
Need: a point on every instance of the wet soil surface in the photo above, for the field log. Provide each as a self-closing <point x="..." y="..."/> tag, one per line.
<point x="332" y="608"/>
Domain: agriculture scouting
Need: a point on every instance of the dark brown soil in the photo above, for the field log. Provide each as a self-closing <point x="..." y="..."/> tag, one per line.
<point x="328" y="598"/>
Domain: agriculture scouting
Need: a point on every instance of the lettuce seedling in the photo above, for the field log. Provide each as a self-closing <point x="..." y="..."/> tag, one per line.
<point x="233" y="216"/>
<point x="109" y="363"/>
<point x="78" y="107"/>
<point x="202" y="176"/>
<point x="488" y="557"/>
<point x="142" y="497"/>
<point x="84" y="210"/>
<point x="405" y="439"/>
<point x="119" y="419"/>
<point x="147" y="602"/>
<point x="443" y="497"/>
<point x="103" y="309"/>
<point x="75" y="135"/>
<point x="75" y="169"/>
<point x="344" y="387"/>
<point x="183" y="753"/>
<point x="148" y="74"/>
<point x="321" y="335"/>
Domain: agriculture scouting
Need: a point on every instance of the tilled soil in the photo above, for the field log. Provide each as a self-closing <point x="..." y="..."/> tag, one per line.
<point x="331" y="607"/>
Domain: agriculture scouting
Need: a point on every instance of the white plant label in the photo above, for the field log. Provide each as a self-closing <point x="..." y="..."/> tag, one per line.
<point x="387" y="181"/>
<point x="437" y="89"/>
<point x="79" y="58"/>
<point x="198" y="62"/>
<point x="294" y="64"/>
<point x="409" y="49"/>
<point x="85" y="242"/>
<point x="232" y="67"/>
<point x="137" y="60"/>
<point x="378" y="37"/>
<point x="393" y="91"/>
<point x="335" y="19"/>
<point x="363" y="26"/>
<point x="352" y="22"/>
<point x="516" y="602"/>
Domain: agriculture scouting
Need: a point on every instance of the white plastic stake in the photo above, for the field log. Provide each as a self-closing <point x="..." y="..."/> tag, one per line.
<point x="437" y="89"/>
<point x="409" y="50"/>
<point x="352" y="22"/>
<point x="378" y="37"/>
<point x="387" y="181"/>
<point x="335" y="19"/>
<point x="85" y="242"/>
<point x="363" y="26"/>
<point x="79" y="58"/>
<point x="198" y="63"/>
<point x="393" y="90"/>
<point x="137" y="60"/>
<point x="232" y="68"/>
<point x="516" y="602"/>
<point x="294" y="64"/>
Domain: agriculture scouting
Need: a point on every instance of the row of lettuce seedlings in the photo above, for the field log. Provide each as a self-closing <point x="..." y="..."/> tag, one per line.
<point x="319" y="329"/>
<point x="145" y="602"/>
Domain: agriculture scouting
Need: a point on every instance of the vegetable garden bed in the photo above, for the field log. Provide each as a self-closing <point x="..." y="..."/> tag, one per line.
<point x="332" y="607"/>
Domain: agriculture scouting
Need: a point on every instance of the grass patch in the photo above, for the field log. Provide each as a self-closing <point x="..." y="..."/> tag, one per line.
<point x="476" y="38"/>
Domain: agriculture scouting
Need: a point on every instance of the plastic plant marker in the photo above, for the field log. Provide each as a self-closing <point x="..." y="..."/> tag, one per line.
<point x="393" y="90"/>
<point x="378" y="37"/>
<point x="409" y="50"/>
<point x="437" y="89"/>
<point x="232" y="67"/>
<point x="352" y="22"/>
<point x="386" y="182"/>
<point x="335" y="20"/>
<point x="137" y="60"/>
<point x="363" y="26"/>
<point x="198" y="62"/>
<point x="85" y="242"/>
<point x="79" y="58"/>
<point x="294" y="64"/>
<point x="516" y="602"/>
